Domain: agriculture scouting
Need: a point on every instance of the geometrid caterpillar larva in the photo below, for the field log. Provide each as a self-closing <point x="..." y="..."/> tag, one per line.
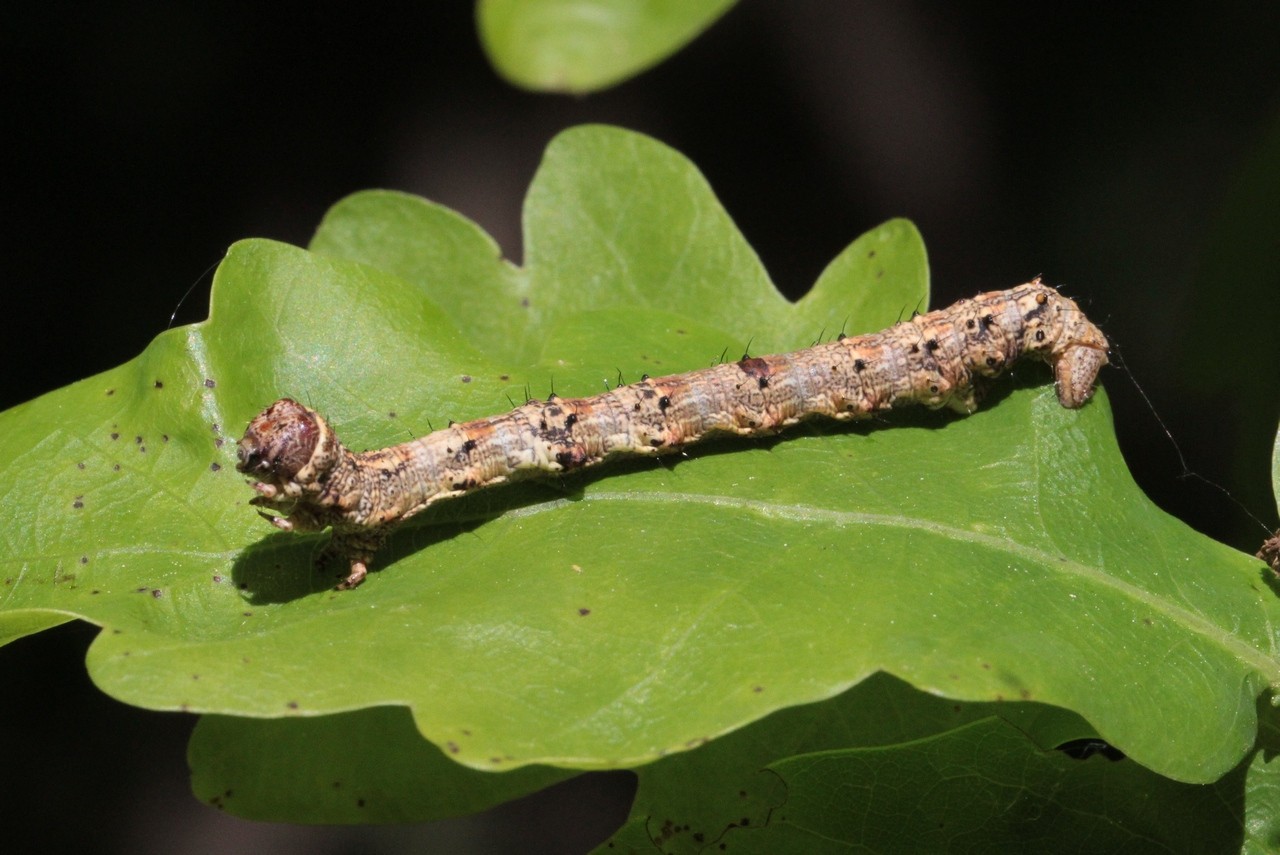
<point x="304" y="473"/>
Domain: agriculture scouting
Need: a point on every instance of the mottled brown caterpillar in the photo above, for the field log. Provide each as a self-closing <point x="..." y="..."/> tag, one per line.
<point x="304" y="472"/>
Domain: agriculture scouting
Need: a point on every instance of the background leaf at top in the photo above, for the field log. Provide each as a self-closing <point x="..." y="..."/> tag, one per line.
<point x="609" y="619"/>
<point x="581" y="46"/>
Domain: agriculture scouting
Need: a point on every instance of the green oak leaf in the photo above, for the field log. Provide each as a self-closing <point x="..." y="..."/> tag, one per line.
<point x="986" y="788"/>
<point x="364" y="766"/>
<point x="582" y="46"/>
<point x="1262" y="806"/>
<point x="1262" y="788"/>
<point x="910" y="772"/>
<point x="689" y="802"/>
<point x="615" y="617"/>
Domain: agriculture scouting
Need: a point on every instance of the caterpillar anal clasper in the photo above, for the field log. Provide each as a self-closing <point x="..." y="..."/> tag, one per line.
<point x="310" y="481"/>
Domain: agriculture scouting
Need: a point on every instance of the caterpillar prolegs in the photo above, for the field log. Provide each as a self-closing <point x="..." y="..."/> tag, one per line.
<point x="312" y="481"/>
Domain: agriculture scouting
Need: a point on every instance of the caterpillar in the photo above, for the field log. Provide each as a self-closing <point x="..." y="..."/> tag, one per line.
<point x="300" y="470"/>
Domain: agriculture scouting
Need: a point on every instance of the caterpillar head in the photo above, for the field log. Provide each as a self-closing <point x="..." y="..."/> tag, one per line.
<point x="286" y="447"/>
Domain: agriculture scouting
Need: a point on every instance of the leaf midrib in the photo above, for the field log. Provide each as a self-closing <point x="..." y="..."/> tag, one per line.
<point x="1251" y="656"/>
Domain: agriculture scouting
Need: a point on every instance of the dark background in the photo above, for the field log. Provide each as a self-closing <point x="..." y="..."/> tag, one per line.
<point x="1129" y="156"/>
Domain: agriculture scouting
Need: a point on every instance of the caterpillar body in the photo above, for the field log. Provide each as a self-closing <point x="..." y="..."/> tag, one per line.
<point x="302" y="472"/>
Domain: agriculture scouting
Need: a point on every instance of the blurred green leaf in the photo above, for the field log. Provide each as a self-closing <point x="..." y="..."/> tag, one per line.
<point x="687" y="801"/>
<point x="986" y="788"/>
<point x="581" y="46"/>
<point x="1262" y="788"/>
<point x="365" y="766"/>
<point x="612" y="618"/>
<point x="1275" y="470"/>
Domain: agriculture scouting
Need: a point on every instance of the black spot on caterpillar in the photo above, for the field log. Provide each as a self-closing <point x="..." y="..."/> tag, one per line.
<point x="302" y="472"/>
